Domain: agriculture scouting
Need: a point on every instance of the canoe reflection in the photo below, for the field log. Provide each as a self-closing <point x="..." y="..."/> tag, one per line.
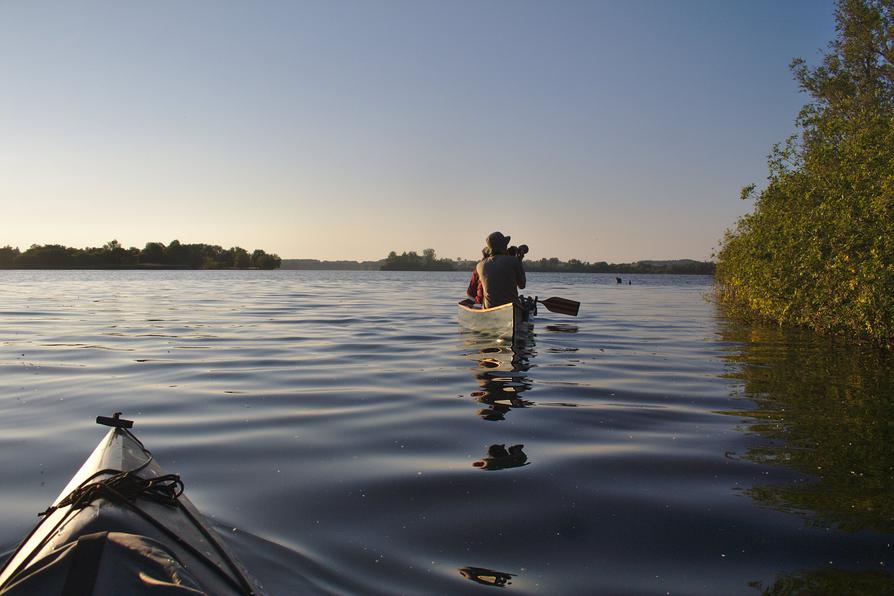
<point x="562" y="328"/>
<point x="501" y="374"/>
<point x="488" y="577"/>
<point x="500" y="458"/>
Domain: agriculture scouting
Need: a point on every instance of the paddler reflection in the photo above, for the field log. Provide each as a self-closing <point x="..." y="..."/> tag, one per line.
<point x="500" y="458"/>
<point x="501" y="375"/>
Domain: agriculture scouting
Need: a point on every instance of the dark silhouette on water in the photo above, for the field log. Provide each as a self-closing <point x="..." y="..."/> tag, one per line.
<point x="499" y="458"/>
<point x="487" y="577"/>
<point x="562" y="328"/>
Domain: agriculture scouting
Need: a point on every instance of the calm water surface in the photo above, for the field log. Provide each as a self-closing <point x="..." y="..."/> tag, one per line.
<point x="346" y="437"/>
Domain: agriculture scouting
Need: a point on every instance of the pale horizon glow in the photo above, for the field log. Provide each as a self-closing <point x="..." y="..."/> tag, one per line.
<point x="603" y="131"/>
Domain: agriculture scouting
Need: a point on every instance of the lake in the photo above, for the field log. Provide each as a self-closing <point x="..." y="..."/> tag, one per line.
<point x="345" y="436"/>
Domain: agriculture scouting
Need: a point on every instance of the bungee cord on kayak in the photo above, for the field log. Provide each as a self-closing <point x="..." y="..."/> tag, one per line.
<point x="124" y="488"/>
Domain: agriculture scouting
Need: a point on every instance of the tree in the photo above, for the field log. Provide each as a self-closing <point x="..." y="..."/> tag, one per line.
<point x="153" y="252"/>
<point x="8" y="256"/>
<point x="175" y="253"/>
<point x="113" y="253"/>
<point x="241" y="258"/>
<point x="49" y="255"/>
<point x="262" y="260"/>
<point x="818" y="249"/>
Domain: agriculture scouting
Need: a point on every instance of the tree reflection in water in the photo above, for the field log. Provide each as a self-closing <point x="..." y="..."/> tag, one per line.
<point x="834" y="582"/>
<point x="826" y="409"/>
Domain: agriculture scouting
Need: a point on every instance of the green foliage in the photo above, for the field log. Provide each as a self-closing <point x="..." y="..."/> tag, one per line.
<point x="241" y="258"/>
<point x="414" y="262"/>
<point x="262" y="260"/>
<point x="818" y="249"/>
<point x="48" y="255"/>
<point x="153" y="252"/>
<point x="155" y="255"/>
<point x="8" y="256"/>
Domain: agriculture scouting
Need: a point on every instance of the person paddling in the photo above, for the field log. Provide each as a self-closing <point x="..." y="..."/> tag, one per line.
<point x="502" y="275"/>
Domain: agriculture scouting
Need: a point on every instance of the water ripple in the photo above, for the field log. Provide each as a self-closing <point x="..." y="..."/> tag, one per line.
<point x="347" y="442"/>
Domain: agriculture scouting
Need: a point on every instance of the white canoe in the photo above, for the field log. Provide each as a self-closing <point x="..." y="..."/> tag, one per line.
<point x="507" y="321"/>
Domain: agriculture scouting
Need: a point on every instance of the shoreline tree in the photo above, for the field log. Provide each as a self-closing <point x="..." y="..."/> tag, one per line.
<point x="818" y="248"/>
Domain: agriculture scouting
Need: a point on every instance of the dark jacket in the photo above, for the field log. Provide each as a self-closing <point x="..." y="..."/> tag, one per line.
<point x="501" y="277"/>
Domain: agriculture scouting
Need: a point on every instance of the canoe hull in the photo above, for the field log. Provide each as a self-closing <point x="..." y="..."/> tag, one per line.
<point x="508" y="321"/>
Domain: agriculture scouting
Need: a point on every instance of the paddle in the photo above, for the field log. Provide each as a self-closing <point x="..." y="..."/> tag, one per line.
<point x="563" y="306"/>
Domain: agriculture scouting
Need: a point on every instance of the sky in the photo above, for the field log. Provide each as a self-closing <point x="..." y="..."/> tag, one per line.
<point x="599" y="130"/>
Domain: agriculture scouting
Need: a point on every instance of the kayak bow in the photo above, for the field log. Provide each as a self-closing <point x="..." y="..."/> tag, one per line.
<point x="123" y="526"/>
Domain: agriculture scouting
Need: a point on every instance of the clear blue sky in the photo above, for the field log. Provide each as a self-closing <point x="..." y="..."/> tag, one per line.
<point x="598" y="130"/>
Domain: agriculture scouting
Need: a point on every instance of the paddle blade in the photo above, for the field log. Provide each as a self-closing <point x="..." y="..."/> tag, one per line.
<point x="563" y="306"/>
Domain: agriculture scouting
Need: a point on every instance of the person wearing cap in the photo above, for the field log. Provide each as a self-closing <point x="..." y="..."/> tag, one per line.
<point x="501" y="274"/>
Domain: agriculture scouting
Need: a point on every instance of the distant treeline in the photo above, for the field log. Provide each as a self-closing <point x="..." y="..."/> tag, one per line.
<point x="410" y="261"/>
<point x="428" y="261"/>
<point x="155" y="255"/>
<point x="317" y="265"/>
<point x="682" y="266"/>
